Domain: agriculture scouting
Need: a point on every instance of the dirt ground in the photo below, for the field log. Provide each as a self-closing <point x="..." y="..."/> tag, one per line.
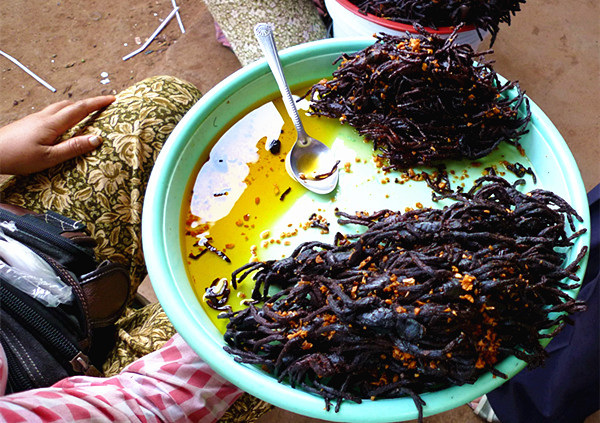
<point x="70" y="44"/>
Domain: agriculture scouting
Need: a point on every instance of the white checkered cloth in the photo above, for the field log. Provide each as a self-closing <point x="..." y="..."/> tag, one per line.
<point x="170" y="385"/>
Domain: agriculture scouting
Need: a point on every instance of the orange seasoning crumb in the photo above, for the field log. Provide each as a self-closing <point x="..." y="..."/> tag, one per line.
<point x="402" y="356"/>
<point x="415" y="44"/>
<point x="378" y="161"/>
<point x="364" y="262"/>
<point x="306" y="345"/>
<point x="408" y="281"/>
<point x="353" y="291"/>
<point x="299" y="333"/>
<point x="467" y="282"/>
<point x="329" y="318"/>
<point x="488" y="349"/>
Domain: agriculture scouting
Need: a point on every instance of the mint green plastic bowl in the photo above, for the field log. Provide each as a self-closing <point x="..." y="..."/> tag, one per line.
<point x="162" y="231"/>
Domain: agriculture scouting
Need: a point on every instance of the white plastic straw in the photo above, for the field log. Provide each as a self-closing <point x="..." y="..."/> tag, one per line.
<point x="33" y="75"/>
<point x="153" y="36"/>
<point x="178" y="16"/>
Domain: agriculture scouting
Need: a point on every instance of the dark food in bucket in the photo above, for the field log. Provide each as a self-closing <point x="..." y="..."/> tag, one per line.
<point x="486" y="15"/>
<point x="418" y="301"/>
<point x="422" y="100"/>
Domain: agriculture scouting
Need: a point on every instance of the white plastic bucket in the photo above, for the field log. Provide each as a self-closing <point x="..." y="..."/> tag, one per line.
<point x="348" y="22"/>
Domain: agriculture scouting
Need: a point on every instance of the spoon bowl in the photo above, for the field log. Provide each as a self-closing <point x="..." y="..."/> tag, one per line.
<point x="310" y="162"/>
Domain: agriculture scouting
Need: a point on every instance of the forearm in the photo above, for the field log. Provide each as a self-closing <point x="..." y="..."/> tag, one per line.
<point x="171" y="384"/>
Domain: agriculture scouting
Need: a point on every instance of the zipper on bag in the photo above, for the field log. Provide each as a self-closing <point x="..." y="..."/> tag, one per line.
<point x="50" y="335"/>
<point x="17" y="376"/>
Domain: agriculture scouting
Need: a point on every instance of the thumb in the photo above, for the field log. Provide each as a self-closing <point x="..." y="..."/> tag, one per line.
<point x="74" y="147"/>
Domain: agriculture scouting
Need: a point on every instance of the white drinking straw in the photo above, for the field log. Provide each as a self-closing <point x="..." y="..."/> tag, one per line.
<point x="33" y="75"/>
<point x="153" y="36"/>
<point x="178" y="16"/>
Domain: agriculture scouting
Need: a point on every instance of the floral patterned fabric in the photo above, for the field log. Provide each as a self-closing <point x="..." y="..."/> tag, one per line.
<point x="105" y="189"/>
<point x="140" y="332"/>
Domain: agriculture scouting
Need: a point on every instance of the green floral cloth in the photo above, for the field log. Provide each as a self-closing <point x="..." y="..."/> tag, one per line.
<point x="105" y="189"/>
<point x="140" y="332"/>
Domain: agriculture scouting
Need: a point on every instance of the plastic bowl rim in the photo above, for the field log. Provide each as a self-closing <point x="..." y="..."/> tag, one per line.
<point x="180" y="305"/>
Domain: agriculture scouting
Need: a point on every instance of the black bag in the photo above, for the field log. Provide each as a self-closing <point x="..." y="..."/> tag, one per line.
<point x="45" y="344"/>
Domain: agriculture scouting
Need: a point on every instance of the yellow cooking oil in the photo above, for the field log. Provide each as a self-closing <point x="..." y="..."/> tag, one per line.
<point x="246" y="207"/>
<point x="238" y="194"/>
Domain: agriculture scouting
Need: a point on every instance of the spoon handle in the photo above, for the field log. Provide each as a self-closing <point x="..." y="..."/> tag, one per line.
<point x="264" y="35"/>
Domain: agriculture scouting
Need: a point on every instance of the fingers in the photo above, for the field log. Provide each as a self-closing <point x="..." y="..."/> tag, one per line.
<point x="55" y="107"/>
<point x="73" y="147"/>
<point x="65" y="114"/>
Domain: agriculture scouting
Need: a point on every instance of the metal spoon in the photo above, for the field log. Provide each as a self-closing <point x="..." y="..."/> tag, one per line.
<point x="310" y="162"/>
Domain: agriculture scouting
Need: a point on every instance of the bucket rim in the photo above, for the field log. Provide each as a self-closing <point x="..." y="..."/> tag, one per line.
<point x="398" y="26"/>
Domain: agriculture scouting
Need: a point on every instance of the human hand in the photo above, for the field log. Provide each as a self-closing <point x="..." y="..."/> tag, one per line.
<point x="31" y="144"/>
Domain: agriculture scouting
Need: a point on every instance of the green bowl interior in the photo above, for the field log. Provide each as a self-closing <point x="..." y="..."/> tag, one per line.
<point x="162" y="231"/>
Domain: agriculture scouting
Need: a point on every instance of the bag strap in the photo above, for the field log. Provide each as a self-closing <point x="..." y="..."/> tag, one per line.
<point x="107" y="292"/>
<point x="101" y="291"/>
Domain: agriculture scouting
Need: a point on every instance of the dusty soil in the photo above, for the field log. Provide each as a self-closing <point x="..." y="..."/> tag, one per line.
<point x="70" y="44"/>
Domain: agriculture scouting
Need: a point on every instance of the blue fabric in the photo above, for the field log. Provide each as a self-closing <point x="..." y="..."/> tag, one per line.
<point x="567" y="388"/>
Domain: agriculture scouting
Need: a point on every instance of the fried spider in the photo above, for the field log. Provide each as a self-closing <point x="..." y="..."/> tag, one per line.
<point x="486" y="15"/>
<point x="422" y="100"/>
<point x="418" y="301"/>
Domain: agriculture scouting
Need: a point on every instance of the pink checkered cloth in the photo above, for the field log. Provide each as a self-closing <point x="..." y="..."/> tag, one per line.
<point x="169" y="385"/>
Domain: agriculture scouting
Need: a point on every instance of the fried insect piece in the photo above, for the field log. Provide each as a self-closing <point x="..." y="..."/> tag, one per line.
<point x="217" y="294"/>
<point x="423" y="100"/>
<point x="205" y="245"/>
<point x="520" y="170"/>
<point x="419" y="300"/>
